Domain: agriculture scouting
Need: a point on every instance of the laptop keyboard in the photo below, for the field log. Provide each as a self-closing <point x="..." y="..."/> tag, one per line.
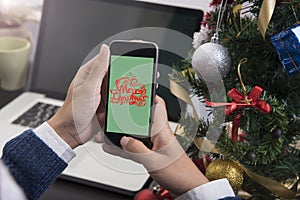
<point x="36" y="115"/>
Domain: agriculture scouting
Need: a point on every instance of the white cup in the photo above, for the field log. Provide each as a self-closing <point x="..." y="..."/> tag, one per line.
<point x="14" y="54"/>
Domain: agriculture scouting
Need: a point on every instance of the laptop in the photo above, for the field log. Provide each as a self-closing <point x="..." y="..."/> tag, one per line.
<point x="70" y="33"/>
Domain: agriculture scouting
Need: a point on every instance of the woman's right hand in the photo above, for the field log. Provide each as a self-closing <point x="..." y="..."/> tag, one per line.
<point x="166" y="162"/>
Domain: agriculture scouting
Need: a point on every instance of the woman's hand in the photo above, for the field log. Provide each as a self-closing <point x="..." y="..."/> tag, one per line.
<point x="166" y="162"/>
<point x="76" y="121"/>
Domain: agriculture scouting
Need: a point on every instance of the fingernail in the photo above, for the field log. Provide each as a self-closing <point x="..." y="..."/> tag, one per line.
<point x="124" y="141"/>
<point x="99" y="138"/>
<point x="104" y="50"/>
<point x="105" y="148"/>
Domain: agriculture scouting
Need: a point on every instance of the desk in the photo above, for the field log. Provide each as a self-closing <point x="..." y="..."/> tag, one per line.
<point x="63" y="189"/>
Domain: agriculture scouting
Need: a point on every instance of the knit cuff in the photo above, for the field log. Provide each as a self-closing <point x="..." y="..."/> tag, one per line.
<point x="33" y="164"/>
<point x="48" y="135"/>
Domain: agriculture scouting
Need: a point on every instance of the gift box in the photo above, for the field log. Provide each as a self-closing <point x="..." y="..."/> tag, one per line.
<point x="287" y="46"/>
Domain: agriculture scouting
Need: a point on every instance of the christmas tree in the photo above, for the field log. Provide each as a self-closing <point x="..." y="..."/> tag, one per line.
<point x="261" y="123"/>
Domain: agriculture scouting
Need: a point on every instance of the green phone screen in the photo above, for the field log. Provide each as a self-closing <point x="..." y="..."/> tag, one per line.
<point x="130" y="95"/>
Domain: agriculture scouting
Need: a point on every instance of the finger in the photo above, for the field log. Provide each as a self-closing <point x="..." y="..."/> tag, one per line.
<point x="95" y="69"/>
<point x="156" y="99"/>
<point x="160" y="118"/>
<point x="100" y="65"/>
<point x="101" y="118"/>
<point x="133" y="146"/>
<point x="115" y="151"/>
<point x="99" y="138"/>
<point x="102" y="106"/>
<point x="159" y="100"/>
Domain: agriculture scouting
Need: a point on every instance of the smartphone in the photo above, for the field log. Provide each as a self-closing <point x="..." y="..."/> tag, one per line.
<point x="131" y="91"/>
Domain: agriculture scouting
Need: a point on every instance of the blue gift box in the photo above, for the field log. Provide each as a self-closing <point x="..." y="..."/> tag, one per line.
<point x="287" y="46"/>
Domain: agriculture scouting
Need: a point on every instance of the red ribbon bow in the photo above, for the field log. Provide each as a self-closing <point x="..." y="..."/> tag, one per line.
<point x="252" y="100"/>
<point x="240" y="101"/>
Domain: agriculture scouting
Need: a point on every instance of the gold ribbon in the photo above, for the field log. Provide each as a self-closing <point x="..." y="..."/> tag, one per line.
<point x="293" y="184"/>
<point x="203" y="144"/>
<point x="270" y="184"/>
<point x="265" y="15"/>
<point x="206" y="145"/>
<point x="182" y="94"/>
<point x="237" y="8"/>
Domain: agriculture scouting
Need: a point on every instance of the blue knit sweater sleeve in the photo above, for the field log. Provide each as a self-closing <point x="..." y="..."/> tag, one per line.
<point x="32" y="163"/>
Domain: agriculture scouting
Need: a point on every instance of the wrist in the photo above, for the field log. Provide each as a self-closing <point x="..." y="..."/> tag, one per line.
<point x="193" y="176"/>
<point x="184" y="170"/>
<point x="63" y="130"/>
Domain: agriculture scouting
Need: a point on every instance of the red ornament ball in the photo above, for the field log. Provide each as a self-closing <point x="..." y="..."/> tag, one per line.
<point x="202" y="163"/>
<point x="145" y="194"/>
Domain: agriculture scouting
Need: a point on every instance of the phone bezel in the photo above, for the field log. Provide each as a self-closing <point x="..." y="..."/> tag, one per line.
<point x="134" y="49"/>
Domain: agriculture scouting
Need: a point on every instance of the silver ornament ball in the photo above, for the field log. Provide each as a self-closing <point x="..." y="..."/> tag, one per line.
<point x="211" y="61"/>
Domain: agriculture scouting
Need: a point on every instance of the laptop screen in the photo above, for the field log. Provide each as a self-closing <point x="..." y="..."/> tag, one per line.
<point x="70" y="29"/>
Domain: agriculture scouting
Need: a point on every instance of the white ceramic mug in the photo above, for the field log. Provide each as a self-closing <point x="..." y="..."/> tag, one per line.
<point x="14" y="54"/>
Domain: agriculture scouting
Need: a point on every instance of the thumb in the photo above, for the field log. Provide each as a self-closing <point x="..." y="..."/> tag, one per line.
<point x="100" y="65"/>
<point x="95" y="69"/>
<point x="133" y="146"/>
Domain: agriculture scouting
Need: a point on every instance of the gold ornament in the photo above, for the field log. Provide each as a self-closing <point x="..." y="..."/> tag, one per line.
<point x="219" y="169"/>
<point x="293" y="184"/>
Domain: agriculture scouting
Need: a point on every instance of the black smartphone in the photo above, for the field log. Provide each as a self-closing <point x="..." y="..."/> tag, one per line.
<point x="130" y="91"/>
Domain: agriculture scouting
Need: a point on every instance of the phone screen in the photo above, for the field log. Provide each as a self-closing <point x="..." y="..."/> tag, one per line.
<point x="130" y="94"/>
